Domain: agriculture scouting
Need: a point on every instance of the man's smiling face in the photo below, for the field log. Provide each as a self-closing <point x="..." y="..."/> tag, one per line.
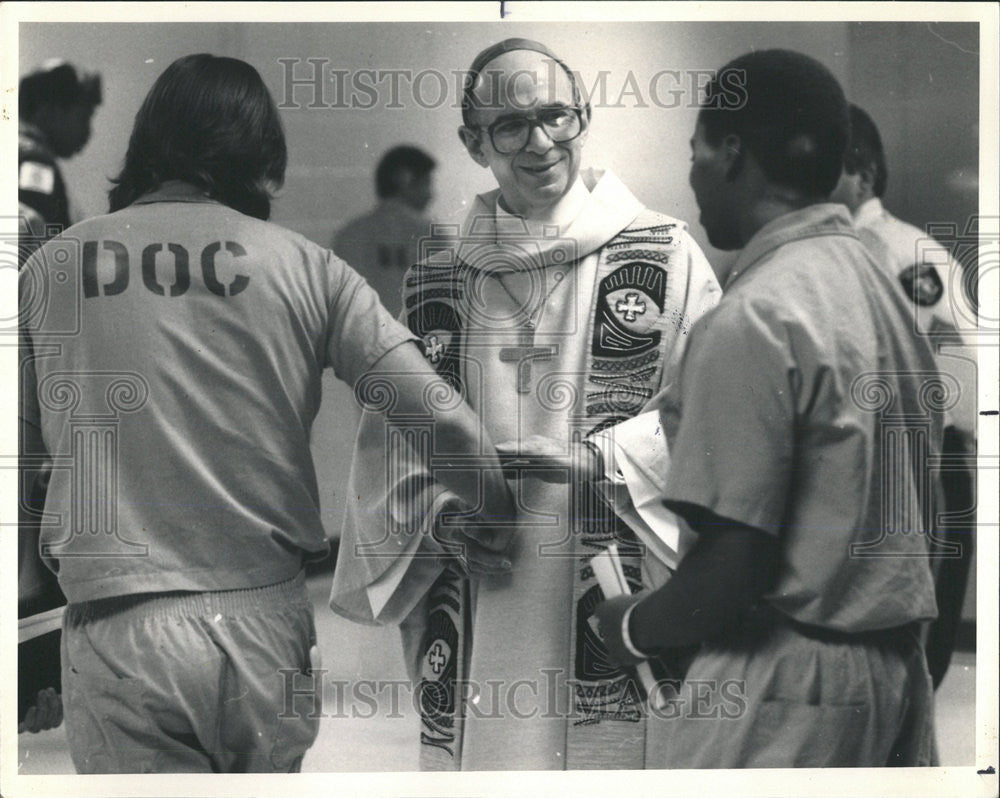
<point x="516" y="84"/>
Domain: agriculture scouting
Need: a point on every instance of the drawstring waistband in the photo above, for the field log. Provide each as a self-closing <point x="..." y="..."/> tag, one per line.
<point x="183" y="604"/>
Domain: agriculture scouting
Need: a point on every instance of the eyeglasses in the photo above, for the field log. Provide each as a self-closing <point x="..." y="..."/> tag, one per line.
<point x="510" y="134"/>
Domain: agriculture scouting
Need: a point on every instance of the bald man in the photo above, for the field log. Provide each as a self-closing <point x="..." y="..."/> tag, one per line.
<point x="561" y="312"/>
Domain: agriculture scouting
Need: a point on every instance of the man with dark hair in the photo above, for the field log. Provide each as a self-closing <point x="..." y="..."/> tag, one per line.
<point x="935" y="285"/>
<point x="865" y="174"/>
<point x="561" y="311"/>
<point x="177" y="417"/>
<point x="405" y="172"/>
<point x="55" y="106"/>
<point x="809" y="420"/>
<point x="383" y="243"/>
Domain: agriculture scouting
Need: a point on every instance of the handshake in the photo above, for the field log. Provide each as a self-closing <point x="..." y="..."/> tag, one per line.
<point x="551" y="460"/>
<point x="483" y="548"/>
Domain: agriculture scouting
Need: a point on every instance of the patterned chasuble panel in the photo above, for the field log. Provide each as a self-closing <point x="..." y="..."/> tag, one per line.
<point x="632" y="332"/>
<point x="441" y="671"/>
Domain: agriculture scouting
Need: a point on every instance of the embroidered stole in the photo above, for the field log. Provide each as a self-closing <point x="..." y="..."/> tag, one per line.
<point x="632" y="332"/>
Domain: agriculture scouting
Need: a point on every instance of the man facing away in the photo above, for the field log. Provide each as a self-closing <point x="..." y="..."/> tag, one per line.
<point x="810" y="419"/>
<point x="561" y="311"/>
<point x="935" y="284"/>
<point x="177" y="417"/>
<point x="385" y="242"/>
<point x="55" y="106"/>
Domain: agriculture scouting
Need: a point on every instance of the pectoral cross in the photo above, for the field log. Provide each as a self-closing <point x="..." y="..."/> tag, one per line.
<point x="523" y="354"/>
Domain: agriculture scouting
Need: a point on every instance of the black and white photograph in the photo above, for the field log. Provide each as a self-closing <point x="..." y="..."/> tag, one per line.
<point x="488" y="398"/>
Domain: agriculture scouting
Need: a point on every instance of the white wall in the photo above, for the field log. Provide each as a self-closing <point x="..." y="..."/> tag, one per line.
<point x="333" y="151"/>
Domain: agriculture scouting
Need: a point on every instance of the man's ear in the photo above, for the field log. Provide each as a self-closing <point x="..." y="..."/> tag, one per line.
<point x="732" y="154"/>
<point x="584" y="123"/>
<point x="474" y="144"/>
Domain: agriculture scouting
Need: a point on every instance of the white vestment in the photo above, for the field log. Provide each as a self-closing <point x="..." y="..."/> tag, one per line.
<point x="564" y="335"/>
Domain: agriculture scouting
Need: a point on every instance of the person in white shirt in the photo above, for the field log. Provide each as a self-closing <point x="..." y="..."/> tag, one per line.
<point x="939" y="289"/>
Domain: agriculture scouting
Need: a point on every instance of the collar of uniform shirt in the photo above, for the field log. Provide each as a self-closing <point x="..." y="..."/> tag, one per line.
<point x="175" y="191"/>
<point x="868" y="211"/>
<point x="824" y="218"/>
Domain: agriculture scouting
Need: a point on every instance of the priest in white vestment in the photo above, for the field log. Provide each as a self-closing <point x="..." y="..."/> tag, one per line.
<point x="561" y="312"/>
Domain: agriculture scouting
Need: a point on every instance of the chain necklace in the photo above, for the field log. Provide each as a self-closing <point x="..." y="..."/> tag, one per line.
<point x="530" y="320"/>
<point x="526" y="352"/>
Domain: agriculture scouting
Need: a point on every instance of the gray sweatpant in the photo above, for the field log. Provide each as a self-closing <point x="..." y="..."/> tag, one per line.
<point x="191" y="682"/>
<point x="796" y="701"/>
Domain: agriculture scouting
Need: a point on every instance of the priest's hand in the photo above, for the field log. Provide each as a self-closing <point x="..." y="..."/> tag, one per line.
<point x="551" y="460"/>
<point x="610" y="616"/>
<point x="479" y="550"/>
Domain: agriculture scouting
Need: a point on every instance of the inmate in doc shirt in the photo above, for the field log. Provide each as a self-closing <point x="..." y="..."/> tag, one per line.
<point x="174" y="359"/>
<point x="810" y="410"/>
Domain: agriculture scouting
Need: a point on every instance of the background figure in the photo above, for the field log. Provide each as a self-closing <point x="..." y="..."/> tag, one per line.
<point x="55" y="106"/>
<point x="935" y="284"/>
<point x="383" y="243"/>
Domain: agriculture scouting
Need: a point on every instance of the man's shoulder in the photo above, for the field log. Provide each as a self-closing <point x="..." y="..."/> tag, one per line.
<point x="89" y="228"/>
<point x="213" y="218"/>
<point x="739" y="316"/>
<point x="901" y="238"/>
<point x="657" y="224"/>
<point x="355" y="224"/>
<point x="438" y="276"/>
<point x="658" y="229"/>
<point x="661" y="238"/>
<point x="435" y="268"/>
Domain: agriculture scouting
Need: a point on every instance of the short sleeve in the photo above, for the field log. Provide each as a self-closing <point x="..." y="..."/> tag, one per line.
<point x="731" y="451"/>
<point x="361" y="329"/>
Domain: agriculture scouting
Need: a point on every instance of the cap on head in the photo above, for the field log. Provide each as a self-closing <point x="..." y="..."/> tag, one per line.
<point x="494" y="51"/>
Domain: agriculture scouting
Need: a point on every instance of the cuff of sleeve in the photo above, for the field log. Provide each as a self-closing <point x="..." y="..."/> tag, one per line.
<point x="600" y="441"/>
<point x="627" y="638"/>
<point x="386" y="345"/>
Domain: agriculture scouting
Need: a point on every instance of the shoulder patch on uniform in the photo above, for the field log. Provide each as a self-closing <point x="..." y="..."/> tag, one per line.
<point x="922" y="284"/>
<point x="35" y="176"/>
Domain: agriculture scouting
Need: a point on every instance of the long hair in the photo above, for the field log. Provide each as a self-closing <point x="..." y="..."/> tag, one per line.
<point x="211" y="122"/>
